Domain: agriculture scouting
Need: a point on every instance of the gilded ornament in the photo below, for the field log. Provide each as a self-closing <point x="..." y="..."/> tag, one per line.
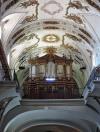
<point x="51" y="38"/>
<point x="50" y="50"/>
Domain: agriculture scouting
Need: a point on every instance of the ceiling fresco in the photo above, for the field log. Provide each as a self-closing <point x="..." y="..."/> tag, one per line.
<point x="31" y="27"/>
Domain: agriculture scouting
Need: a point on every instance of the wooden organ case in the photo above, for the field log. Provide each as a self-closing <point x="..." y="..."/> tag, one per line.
<point x="51" y="78"/>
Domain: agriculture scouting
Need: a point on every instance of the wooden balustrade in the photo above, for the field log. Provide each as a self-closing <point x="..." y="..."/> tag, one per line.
<point x="59" y="89"/>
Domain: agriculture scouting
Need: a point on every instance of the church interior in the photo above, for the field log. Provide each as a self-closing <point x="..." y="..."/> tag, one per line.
<point x="49" y="66"/>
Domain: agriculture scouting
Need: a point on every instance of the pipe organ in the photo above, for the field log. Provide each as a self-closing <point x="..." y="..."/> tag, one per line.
<point x="56" y="67"/>
<point x="50" y="77"/>
<point x="51" y="72"/>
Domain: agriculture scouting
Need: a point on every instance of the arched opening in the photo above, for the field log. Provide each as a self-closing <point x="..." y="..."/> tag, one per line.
<point x="51" y="128"/>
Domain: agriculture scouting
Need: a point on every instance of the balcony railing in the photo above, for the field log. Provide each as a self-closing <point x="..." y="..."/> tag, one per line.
<point x="95" y="75"/>
<point x="59" y="89"/>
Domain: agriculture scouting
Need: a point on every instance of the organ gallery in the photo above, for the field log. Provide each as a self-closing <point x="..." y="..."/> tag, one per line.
<point x="50" y="77"/>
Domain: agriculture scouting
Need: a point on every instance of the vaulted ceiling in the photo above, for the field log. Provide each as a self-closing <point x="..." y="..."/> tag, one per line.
<point x="29" y="27"/>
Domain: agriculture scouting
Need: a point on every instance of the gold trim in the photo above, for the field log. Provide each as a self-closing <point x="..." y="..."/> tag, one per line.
<point x="51" y="38"/>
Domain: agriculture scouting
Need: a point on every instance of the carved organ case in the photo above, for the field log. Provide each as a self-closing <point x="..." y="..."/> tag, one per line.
<point x="52" y="78"/>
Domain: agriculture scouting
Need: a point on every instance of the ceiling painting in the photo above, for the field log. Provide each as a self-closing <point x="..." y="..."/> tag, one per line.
<point x="52" y="7"/>
<point x="68" y="46"/>
<point x="77" y="5"/>
<point x="28" y="37"/>
<point x="86" y="33"/>
<point x="33" y="14"/>
<point x="76" y="18"/>
<point x="50" y="50"/>
<point x="73" y="37"/>
<point x="28" y="3"/>
<point x="37" y="27"/>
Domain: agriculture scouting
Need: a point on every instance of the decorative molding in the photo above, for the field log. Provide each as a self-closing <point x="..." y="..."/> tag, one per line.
<point x="19" y="37"/>
<point x="29" y="19"/>
<point x="93" y="4"/>
<point x="75" y="18"/>
<point x="17" y="33"/>
<point x="85" y="32"/>
<point x="51" y="22"/>
<point x="58" y="7"/>
<point x="68" y="46"/>
<point x="26" y="37"/>
<point x="73" y="37"/>
<point x="10" y="4"/>
<point x="84" y="38"/>
<point x="3" y="104"/>
<point x="52" y="102"/>
<point x="31" y="47"/>
<point x="51" y="27"/>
